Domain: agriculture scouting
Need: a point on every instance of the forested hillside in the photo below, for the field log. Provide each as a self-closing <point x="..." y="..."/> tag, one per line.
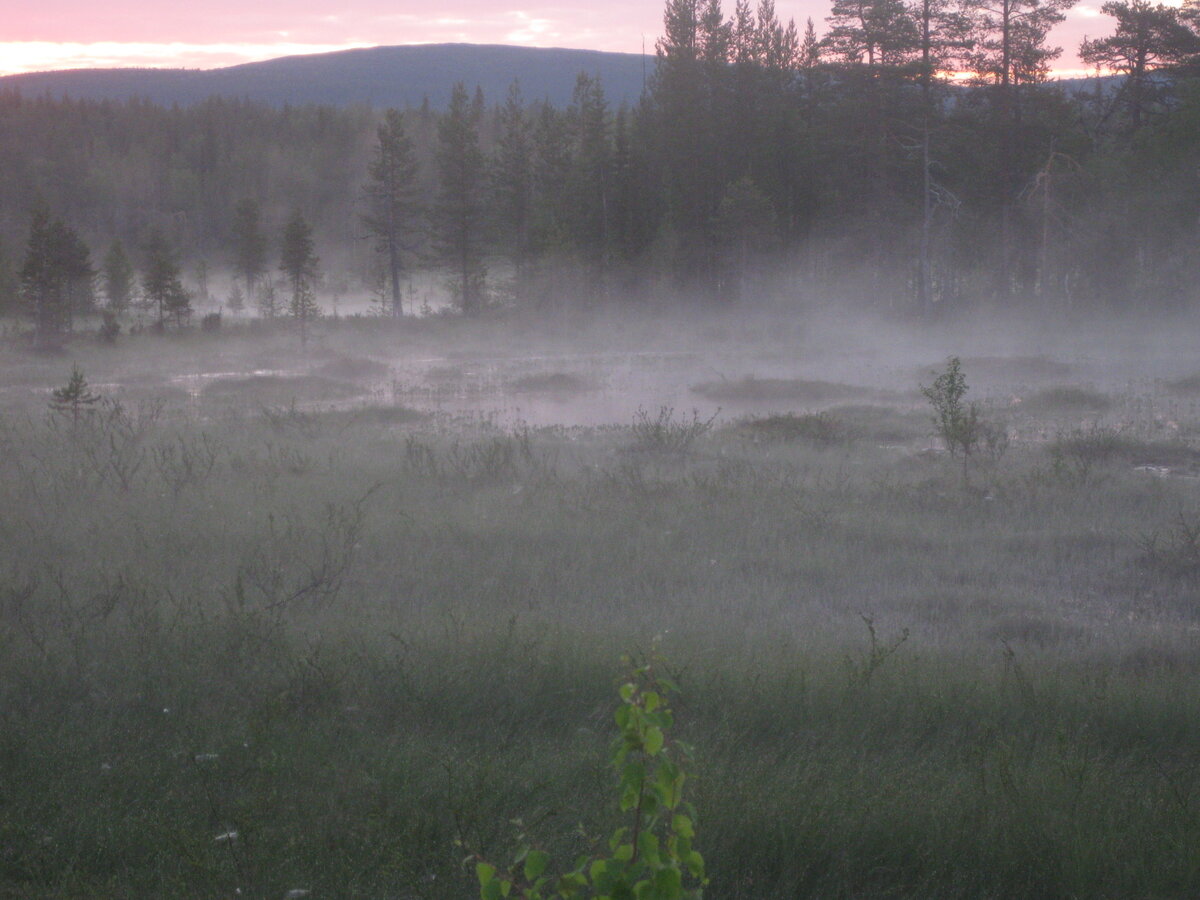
<point x="376" y="76"/>
<point x="913" y="156"/>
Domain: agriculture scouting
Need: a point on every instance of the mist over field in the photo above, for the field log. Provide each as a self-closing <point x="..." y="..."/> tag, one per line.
<point x="786" y="485"/>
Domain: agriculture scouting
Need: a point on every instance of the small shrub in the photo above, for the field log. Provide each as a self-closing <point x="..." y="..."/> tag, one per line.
<point x="653" y="855"/>
<point x="957" y="423"/>
<point x="664" y="434"/>
<point x="211" y="323"/>
<point x="1089" y="446"/>
<point x="1101" y="445"/>
<point x="1174" y="550"/>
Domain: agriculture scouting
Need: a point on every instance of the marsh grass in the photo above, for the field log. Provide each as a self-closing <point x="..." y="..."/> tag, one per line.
<point x="552" y="383"/>
<point x="279" y="389"/>
<point x="1095" y="444"/>
<point x="665" y="434"/>
<point x="798" y="390"/>
<point x="1066" y="399"/>
<point x="822" y="428"/>
<point x="355" y="641"/>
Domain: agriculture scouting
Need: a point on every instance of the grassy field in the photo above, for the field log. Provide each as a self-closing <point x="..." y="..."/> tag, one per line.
<point x="272" y="623"/>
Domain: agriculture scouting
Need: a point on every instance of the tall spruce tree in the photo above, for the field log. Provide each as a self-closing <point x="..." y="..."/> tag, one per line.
<point x="299" y="264"/>
<point x="8" y="285"/>
<point x="118" y="278"/>
<point x="590" y="183"/>
<point x="512" y="182"/>
<point x="161" y="284"/>
<point x="249" y="244"/>
<point x="56" y="278"/>
<point x="458" y="215"/>
<point x="392" y="207"/>
<point x="42" y="280"/>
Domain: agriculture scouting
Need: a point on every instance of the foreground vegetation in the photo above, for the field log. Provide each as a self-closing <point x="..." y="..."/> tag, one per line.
<point x="279" y="647"/>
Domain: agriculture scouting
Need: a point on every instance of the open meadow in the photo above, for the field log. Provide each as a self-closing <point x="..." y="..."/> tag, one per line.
<point x="275" y="621"/>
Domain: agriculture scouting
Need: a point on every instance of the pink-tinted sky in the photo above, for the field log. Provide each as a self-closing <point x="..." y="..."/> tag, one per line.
<point x="58" y="34"/>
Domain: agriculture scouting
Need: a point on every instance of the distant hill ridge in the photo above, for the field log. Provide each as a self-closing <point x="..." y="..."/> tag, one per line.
<point x="379" y="76"/>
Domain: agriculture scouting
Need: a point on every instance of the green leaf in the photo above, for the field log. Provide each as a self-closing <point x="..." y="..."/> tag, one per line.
<point x="654" y="741"/>
<point x="648" y="848"/>
<point x="682" y="825"/>
<point x="485" y="873"/>
<point x="535" y="864"/>
<point x="695" y="864"/>
<point x="597" y="869"/>
<point x="668" y="883"/>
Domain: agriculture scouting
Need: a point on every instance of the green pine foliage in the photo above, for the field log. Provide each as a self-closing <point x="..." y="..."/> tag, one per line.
<point x="300" y="266"/>
<point x="75" y="397"/>
<point x="913" y="155"/>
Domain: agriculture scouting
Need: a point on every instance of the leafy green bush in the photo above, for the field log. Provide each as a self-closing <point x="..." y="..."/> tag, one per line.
<point x="652" y="857"/>
<point x="957" y="423"/>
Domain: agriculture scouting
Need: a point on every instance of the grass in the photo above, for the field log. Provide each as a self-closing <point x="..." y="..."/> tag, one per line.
<point x="1066" y="399"/>
<point x="1099" y="444"/>
<point x="552" y="383"/>
<point x="799" y="390"/>
<point x="279" y="389"/>
<point x="353" y="638"/>
<point x="354" y="369"/>
<point x="1187" y="385"/>
<point x="819" y="428"/>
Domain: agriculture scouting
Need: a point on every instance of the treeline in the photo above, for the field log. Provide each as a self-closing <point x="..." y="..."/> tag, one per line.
<point x="913" y="155"/>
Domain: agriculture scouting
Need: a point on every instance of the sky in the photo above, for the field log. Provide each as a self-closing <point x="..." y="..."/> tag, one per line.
<point x="38" y="35"/>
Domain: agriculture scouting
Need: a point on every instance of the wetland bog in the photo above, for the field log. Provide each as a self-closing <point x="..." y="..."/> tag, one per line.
<point x="354" y="605"/>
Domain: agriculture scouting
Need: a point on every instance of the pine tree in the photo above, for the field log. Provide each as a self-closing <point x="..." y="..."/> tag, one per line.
<point x="56" y="276"/>
<point x="512" y="181"/>
<point x="551" y="172"/>
<point x="161" y="284"/>
<point x="249" y="244"/>
<point x="237" y="300"/>
<point x="688" y="145"/>
<point x="118" y="278"/>
<point x="299" y="264"/>
<point x="1147" y="37"/>
<point x="458" y="214"/>
<point x="267" y="299"/>
<point x="8" y="285"/>
<point x="1009" y="52"/>
<point x="75" y="396"/>
<point x="591" y="171"/>
<point x="391" y="199"/>
<point x="41" y="281"/>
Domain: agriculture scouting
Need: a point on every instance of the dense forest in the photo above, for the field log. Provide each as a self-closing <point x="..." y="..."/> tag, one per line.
<point x="915" y="157"/>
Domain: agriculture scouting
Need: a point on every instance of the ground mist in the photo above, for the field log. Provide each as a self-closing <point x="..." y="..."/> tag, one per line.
<point x="262" y="645"/>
